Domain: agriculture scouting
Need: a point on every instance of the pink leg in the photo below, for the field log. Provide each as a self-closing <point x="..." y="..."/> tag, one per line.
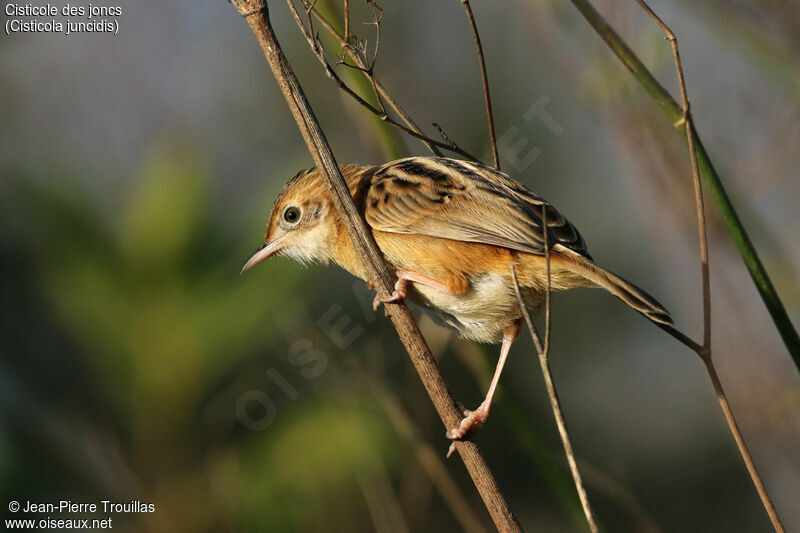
<point x="401" y="286"/>
<point x="473" y="420"/>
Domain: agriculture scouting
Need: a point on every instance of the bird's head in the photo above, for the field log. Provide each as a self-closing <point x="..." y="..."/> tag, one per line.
<point x="303" y="223"/>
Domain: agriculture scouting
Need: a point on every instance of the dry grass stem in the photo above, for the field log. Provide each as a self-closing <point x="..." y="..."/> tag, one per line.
<point x="347" y="20"/>
<point x="713" y="182"/>
<point x="543" y="348"/>
<point x="487" y="99"/>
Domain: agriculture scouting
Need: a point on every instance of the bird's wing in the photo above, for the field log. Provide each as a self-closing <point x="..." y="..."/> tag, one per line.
<point x="463" y="201"/>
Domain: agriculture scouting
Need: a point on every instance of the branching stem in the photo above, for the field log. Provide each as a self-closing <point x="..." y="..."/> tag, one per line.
<point x="361" y="62"/>
<point x="709" y="174"/>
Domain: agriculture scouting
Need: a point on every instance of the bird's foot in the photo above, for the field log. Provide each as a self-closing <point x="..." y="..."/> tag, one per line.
<point x="471" y="423"/>
<point x="400" y="291"/>
<point x="404" y="277"/>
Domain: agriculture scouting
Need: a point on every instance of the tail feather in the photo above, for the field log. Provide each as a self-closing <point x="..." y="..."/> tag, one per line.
<point x="626" y="291"/>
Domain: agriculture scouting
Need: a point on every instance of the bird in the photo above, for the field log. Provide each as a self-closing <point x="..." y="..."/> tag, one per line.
<point x="449" y="231"/>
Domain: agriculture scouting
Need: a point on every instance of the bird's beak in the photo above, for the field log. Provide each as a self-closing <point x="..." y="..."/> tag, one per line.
<point x="265" y="251"/>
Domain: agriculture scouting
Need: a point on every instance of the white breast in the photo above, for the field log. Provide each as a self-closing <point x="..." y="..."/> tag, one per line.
<point x="480" y="314"/>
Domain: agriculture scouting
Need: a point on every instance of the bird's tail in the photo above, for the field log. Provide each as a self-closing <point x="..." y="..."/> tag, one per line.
<point x="622" y="289"/>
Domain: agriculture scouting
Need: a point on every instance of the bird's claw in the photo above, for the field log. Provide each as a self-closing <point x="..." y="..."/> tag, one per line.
<point x="399" y="293"/>
<point x="471" y="423"/>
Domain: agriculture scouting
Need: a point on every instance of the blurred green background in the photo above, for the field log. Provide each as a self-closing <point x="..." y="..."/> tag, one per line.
<point x="135" y="363"/>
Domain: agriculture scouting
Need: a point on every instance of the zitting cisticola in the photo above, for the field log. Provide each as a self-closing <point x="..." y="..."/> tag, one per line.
<point x="450" y="230"/>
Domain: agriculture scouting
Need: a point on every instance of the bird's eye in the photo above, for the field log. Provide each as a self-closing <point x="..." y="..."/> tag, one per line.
<point x="292" y="215"/>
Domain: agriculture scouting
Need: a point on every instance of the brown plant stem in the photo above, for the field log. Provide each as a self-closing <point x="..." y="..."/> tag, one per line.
<point x="487" y="99"/>
<point x="542" y="457"/>
<point x="256" y="14"/>
<point x="543" y="348"/>
<point x="346" y="20"/>
<point x="740" y="442"/>
<point x="555" y="404"/>
<point x="733" y="426"/>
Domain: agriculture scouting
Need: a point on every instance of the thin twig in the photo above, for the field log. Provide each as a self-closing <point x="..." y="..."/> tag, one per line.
<point x="544" y="350"/>
<point x="377" y="84"/>
<point x="743" y="449"/>
<point x="363" y="65"/>
<point x="485" y="81"/>
<point x="705" y="351"/>
<point x="387" y="136"/>
<point x="622" y="495"/>
<point x="256" y="14"/>
<point x="377" y="15"/>
<point x="347" y="20"/>
<point x="543" y="458"/>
